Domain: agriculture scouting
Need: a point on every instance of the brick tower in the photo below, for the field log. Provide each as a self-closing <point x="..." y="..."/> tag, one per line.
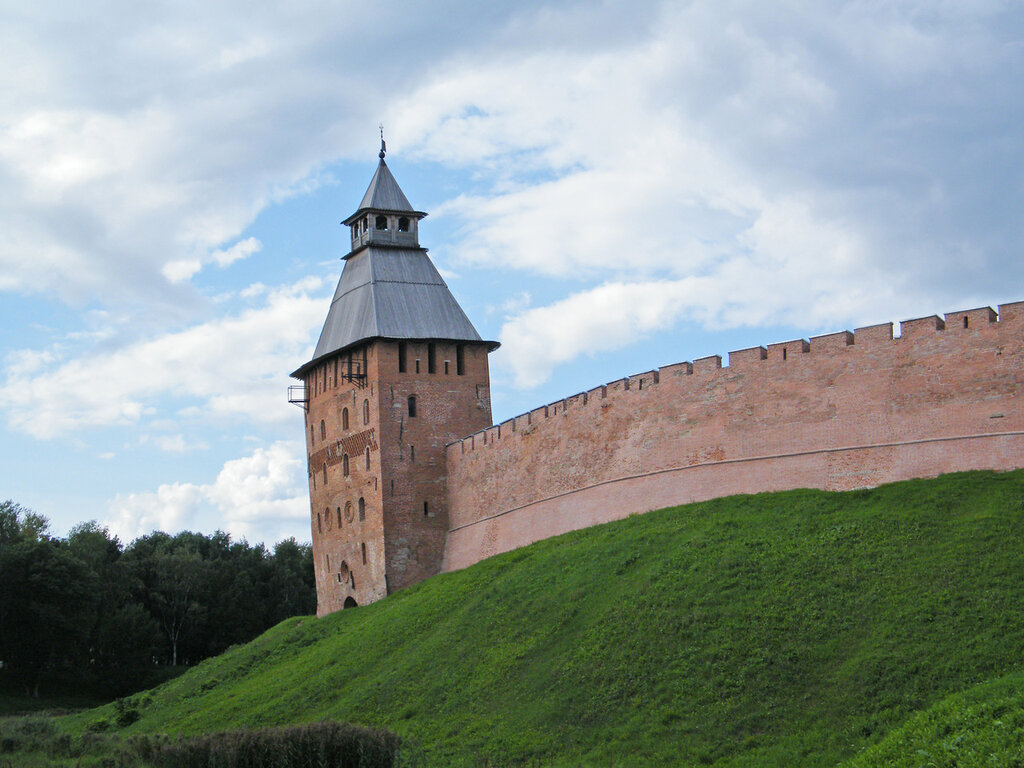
<point x="398" y="372"/>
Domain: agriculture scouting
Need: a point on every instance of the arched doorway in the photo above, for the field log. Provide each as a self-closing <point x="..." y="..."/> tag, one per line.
<point x="350" y="602"/>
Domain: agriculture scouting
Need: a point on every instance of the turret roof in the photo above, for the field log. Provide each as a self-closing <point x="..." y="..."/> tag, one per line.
<point x="388" y="292"/>
<point x="384" y="194"/>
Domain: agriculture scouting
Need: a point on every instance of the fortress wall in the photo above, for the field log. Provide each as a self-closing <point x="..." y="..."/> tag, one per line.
<point x="839" y="411"/>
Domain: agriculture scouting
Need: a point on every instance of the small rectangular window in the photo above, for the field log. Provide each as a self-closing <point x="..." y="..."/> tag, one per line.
<point x="401" y="357"/>
<point x="460" y="360"/>
<point x="446" y="364"/>
<point x="417" y="365"/>
<point x="431" y="358"/>
<point x="364" y="554"/>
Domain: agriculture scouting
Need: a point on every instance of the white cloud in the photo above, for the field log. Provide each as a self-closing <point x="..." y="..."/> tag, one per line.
<point x="262" y="496"/>
<point x="254" y="290"/>
<point x="734" y="136"/>
<point x="25" y="362"/>
<point x="659" y="132"/>
<point x="160" y="145"/>
<point x="793" y="270"/>
<point x="173" y="443"/>
<point x="234" y="367"/>
<point x="240" y="250"/>
<point x="185" y="269"/>
<point x="605" y="318"/>
<point x="181" y="270"/>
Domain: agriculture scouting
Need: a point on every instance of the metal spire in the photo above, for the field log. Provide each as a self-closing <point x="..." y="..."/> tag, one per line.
<point x="383" y="146"/>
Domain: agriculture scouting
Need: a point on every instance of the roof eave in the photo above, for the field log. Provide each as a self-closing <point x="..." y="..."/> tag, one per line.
<point x="418" y="214"/>
<point x="299" y="373"/>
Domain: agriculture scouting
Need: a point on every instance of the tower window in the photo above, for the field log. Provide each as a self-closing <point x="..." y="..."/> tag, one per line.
<point x="319" y="523"/>
<point x="401" y="357"/>
<point x="325" y="473"/>
<point x="381" y="222"/>
<point x="362" y="508"/>
<point x="344" y="465"/>
<point x="965" y="321"/>
<point x="403" y="224"/>
<point x="412" y="406"/>
<point x="412" y="453"/>
<point x="366" y="411"/>
<point x="348" y="511"/>
<point x="460" y="360"/>
<point x="417" y="365"/>
<point x="338" y="512"/>
<point x="344" y="418"/>
<point x="367" y="457"/>
<point x="323" y="430"/>
<point x="327" y="518"/>
<point x="431" y="358"/>
<point x="426" y="509"/>
<point x="364" y="552"/>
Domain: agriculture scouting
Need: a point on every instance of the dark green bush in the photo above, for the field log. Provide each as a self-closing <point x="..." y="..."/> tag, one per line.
<point x="127" y="712"/>
<point x="325" y="745"/>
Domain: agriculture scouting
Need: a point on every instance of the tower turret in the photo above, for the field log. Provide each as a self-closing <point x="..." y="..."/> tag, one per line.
<point x="399" y="372"/>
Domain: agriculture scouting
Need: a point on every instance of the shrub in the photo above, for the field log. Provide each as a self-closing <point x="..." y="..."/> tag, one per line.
<point x="127" y="712"/>
<point x="326" y="745"/>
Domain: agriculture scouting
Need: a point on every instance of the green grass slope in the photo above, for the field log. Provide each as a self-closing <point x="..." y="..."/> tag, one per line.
<point x="982" y="727"/>
<point x="779" y="629"/>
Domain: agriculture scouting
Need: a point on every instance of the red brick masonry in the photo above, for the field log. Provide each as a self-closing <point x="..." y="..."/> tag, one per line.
<point x="846" y="410"/>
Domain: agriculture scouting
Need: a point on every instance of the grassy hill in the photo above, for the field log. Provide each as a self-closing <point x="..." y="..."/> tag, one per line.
<point x="795" y="628"/>
<point x="981" y="727"/>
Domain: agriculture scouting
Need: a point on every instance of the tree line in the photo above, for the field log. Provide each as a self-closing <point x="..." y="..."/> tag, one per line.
<point x="88" y="613"/>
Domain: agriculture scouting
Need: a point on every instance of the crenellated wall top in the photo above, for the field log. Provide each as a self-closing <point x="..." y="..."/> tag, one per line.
<point x="874" y="338"/>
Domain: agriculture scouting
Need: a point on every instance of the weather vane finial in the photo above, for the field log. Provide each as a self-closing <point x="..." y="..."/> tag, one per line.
<point x="383" y="146"/>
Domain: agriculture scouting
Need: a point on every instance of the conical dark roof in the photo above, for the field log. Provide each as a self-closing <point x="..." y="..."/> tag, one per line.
<point x="389" y="292"/>
<point x="384" y="194"/>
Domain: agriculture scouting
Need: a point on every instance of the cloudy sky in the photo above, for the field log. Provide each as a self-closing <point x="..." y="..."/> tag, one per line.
<point x="612" y="186"/>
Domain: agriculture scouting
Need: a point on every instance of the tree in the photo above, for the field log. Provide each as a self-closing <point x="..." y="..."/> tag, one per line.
<point x="10" y="522"/>
<point x="124" y="637"/>
<point x="293" y="585"/>
<point x="179" y="579"/>
<point x="47" y="606"/>
<point x="18" y="523"/>
<point x="100" y="614"/>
